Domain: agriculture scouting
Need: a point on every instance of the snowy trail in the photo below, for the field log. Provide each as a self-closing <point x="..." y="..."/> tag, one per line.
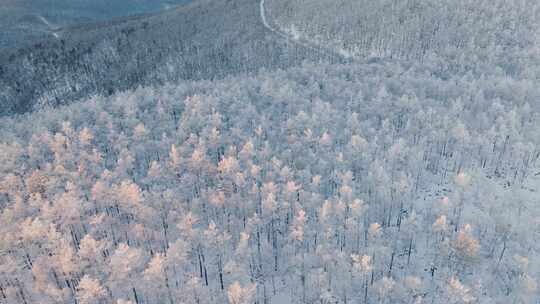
<point x="267" y="25"/>
<point x="50" y="26"/>
<point x="44" y="20"/>
<point x="301" y="42"/>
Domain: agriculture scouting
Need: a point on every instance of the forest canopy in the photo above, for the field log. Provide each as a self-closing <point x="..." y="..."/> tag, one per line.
<point x="371" y="183"/>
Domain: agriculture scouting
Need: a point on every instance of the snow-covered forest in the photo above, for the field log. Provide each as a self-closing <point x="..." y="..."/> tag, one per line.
<point x="470" y="35"/>
<point x="246" y="152"/>
<point x="321" y="184"/>
<point x="204" y="40"/>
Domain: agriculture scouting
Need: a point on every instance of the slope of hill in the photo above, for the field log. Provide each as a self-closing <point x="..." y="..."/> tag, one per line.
<point x="203" y="40"/>
<point x="16" y="31"/>
<point x="375" y="183"/>
<point x="469" y="36"/>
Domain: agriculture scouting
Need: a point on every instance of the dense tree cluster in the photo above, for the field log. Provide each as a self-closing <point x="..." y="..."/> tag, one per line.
<point x="461" y="35"/>
<point x="368" y="183"/>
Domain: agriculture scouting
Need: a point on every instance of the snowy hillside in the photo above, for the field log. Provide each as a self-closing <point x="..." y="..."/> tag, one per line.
<point x="273" y="152"/>
<point x="16" y="30"/>
<point x="371" y="183"/>
<point x="204" y="40"/>
<point x="460" y="35"/>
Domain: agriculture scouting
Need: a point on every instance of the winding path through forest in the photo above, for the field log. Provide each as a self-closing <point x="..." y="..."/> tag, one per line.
<point x="267" y="25"/>
<point x="299" y="41"/>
